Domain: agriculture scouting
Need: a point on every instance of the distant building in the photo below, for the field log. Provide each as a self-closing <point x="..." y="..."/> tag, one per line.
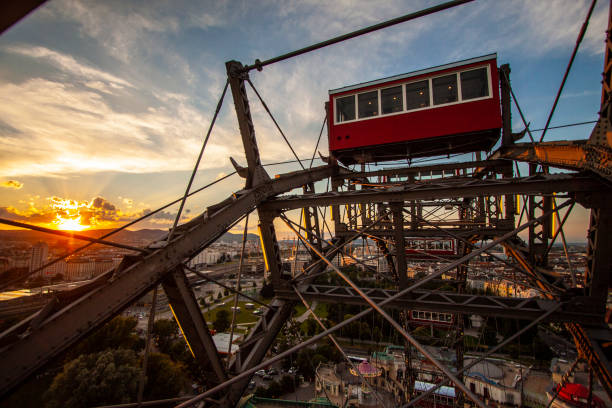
<point x="499" y="382"/>
<point x="207" y="256"/>
<point x="221" y="341"/>
<point x="40" y="251"/>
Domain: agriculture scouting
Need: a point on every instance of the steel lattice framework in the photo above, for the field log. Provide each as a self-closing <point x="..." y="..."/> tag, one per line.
<point x="470" y="202"/>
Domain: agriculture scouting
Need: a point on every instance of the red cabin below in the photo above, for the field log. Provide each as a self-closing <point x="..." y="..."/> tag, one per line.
<point x="451" y="108"/>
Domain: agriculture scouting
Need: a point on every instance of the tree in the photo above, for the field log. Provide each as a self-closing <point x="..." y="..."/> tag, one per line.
<point x="219" y="295"/>
<point x="222" y="321"/>
<point x="304" y="362"/>
<point x="310" y="326"/>
<point x="203" y="302"/>
<point x="165" y="378"/>
<point x="118" y="333"/>
<point x="329" y="351"/>
<point x="164" y="332"/>
<point x="105" y="378"/>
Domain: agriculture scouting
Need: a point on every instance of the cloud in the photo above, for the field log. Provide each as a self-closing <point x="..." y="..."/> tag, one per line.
<point x="30" y="216"/>
<point x="12" y="184"/>
<point x="68" y="129"/>
<point x="97" y="79"/>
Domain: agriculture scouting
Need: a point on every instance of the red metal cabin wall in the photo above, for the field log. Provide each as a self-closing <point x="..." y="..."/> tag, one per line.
<point x="459" y="118"/>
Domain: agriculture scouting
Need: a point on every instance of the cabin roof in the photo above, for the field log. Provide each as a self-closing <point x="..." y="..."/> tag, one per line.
<point x="415" y="73"/>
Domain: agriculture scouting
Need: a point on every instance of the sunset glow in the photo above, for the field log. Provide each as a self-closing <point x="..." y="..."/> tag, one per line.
<point x="69" y="224"/>
<point x="68" y="214"/>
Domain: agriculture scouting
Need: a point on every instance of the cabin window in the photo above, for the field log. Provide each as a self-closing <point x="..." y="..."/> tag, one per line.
<point x="345" y="108"/>
<point x="444" y="89"/>
<point x="367" y="104"/>
<point x="474" y="84"/>
<point x="417" y="95"/>
<point x="391" y="100"/>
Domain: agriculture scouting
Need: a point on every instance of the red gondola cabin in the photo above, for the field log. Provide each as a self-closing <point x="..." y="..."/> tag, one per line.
<point x="447" y="109"/>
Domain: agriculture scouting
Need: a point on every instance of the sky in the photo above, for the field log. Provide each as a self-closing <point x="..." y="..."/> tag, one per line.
<point x="104" y="105"/>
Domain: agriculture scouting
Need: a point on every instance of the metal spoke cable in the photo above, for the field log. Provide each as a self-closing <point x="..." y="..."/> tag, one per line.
<point x="412" y="16"/>
<point x="563" y="240"/>
<point x="485" y="355"/>
<point x="275" y="123"/>
<point x="314" y="152"/>
<point x="338" y="248"/>
<point x="470" y="244"/>
<point x="147" y="350"/>
<point x="563" y="381"/>
<point x="197" y="164"/>
<point x="392" y="321"/>
<point x="588" y="122"/>
<point x="583" y="29"/>
<point x="337" y="345"/>
<point x="236" y="294"/>
<point x="330" y="244"/>
<point x="248" y="372"/>
<point x="209" y="279"/>
<point x="518" y="106"/>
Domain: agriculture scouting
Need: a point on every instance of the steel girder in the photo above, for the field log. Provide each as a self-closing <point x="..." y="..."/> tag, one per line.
<point x="113" y="292"/>
<point x="480" y="167"/>
<point x="437" y="189"/>
<point x="187" y="312"/>
<point x="449" y="302"/>
<point x="259" y="340"/>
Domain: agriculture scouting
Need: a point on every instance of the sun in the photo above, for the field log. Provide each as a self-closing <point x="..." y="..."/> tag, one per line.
<point x="69" y="224"/>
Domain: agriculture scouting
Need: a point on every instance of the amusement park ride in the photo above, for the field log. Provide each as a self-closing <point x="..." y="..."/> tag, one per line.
<point x="454" y="108"/>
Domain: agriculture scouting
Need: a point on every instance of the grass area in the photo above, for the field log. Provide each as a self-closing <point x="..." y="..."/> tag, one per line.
<point x="245" y="315"/>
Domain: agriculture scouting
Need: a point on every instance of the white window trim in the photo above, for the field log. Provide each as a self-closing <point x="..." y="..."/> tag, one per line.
<point x="458" y="94"/>
<point x="402" y="88"/>
<point x="357" y="105"/>
<point x="403" y="85"/>
<point x="489" y="81"/>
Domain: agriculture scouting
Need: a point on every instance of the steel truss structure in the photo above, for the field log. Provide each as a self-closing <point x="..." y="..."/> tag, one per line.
<point x="474" y="204"/>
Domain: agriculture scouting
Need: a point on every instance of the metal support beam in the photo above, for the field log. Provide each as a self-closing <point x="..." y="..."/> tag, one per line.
<point x="400" y="243"/>
<point x="451" y="302"/>
<point x="598" y="272"/>
<point x="187" y="313"/>
<point x="439" y="189"/>
<point x="237" y="76"/>
<point x="504" y="78"/>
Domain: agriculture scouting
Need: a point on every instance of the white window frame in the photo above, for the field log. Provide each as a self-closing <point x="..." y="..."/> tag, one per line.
<point x="357" y="105"/>
<point x="403" y="92"/>
<point x="489" y="82"/>
<point x="336" y="109"/>
<point x="458" y="89"/>
<point x="404" y="99"/>
<point x="406" y="110"/>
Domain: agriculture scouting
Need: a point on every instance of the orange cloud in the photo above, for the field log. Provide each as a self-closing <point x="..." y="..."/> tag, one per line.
<point x="75" y="215"/>
<point x="12" y="184"/>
